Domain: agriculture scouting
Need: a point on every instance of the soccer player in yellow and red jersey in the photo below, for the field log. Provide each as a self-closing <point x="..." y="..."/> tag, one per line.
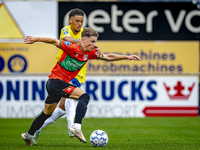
<point x="70" y="33"/>
<point x="58" y="85"/>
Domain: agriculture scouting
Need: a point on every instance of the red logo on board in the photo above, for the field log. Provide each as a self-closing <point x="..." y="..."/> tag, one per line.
<point x="179" y="89"/>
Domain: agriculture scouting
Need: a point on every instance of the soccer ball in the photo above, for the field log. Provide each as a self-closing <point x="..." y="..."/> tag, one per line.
<point x="98" y="138"/>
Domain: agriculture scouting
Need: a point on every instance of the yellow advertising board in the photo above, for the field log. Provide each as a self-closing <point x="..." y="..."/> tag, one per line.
<point x="156" y="57"/>
<point x="27" y="58"/>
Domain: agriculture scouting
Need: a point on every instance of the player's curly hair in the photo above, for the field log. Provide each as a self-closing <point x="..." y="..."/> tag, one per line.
<point x="88" y="32"/>
<point x="75" y="12"/>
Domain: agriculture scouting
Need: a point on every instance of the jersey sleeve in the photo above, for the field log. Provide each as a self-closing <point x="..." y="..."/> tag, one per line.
<point x="66" y="46"/>
<point x="93" y="54"/>
<point x="64" y="32"/>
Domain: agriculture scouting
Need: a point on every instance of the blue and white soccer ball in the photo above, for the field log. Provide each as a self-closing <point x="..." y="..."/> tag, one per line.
<point x="98" y="138"/>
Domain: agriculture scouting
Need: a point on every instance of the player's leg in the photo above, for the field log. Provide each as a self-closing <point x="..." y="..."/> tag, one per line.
<point x="58" y="112"/>
<point x="38" y="122"/>
<point x="50" y="105"/>
<point x="80" y="112"/>
<point x="65" y="105"/>
<point x="70" y="112"/>
<point x="69" y="108"/>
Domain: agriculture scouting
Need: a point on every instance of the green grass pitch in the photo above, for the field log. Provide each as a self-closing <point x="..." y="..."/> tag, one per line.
<point x="123" y="133"/>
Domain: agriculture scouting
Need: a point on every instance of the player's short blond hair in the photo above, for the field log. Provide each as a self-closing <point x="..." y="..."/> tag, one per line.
<point x="88" y="32"/>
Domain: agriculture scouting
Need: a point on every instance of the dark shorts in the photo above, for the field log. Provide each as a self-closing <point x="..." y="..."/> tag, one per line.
<point x="56" y="89"/>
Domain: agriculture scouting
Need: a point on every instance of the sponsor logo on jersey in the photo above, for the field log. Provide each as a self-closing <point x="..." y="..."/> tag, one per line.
<point x="67" y="43"/>
<point x="72" y="64"/>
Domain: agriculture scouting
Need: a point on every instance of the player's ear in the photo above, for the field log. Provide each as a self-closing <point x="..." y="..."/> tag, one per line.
<point x="70" y="20"/>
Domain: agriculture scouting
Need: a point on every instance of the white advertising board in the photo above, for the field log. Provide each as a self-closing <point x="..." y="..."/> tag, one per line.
<point x="133" y="96"/>
<point x="110" y="96"/>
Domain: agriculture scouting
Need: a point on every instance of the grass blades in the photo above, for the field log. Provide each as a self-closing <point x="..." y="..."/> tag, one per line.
<point x="123" y="133"/>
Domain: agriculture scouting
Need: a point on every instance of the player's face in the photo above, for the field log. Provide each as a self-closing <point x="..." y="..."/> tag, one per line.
<point x="76" y="23"/>
<point x="89" y="43"/>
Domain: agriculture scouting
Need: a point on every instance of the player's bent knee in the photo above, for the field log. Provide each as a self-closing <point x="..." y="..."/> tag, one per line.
<point x="49" y="108"/>
<point x="85" y="97"/>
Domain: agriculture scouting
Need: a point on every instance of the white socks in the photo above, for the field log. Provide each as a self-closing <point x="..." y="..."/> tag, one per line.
<point x="70" y="111"/>
<point x="77" y="126"/>
<point x="58" y="112"/>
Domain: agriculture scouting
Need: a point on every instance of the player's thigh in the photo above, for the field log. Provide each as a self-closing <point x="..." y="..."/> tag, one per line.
<point x="57" y="89"/>
<point x="76" y="93"/>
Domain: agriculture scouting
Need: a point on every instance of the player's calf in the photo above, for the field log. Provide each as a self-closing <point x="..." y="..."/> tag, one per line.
<point x="81" y="107"/>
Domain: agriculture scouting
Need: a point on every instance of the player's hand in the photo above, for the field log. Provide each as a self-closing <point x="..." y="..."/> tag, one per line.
<point x="99" y="53"/>
<point x="133" y="57"/>
<point x="29" y="39"/>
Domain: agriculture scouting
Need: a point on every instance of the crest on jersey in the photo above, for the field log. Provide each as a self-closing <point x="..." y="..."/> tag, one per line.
<point x="67" y="43"/>
<point x="66" y="32"/>
<point x="85" y="57"/>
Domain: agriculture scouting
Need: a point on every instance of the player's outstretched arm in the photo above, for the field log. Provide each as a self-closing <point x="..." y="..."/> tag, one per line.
<point x="70" y="39"/>
<point x="33" y="39"/>
<point x="115" y="57"/>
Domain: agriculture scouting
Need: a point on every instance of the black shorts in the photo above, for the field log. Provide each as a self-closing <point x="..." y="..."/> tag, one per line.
<point x="56" y="89"/>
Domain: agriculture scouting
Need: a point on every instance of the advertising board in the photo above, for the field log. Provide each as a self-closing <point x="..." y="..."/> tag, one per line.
<point x="156" y="57"/>
<point x="116" y="96"/>
<point x="137" y="20"/>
